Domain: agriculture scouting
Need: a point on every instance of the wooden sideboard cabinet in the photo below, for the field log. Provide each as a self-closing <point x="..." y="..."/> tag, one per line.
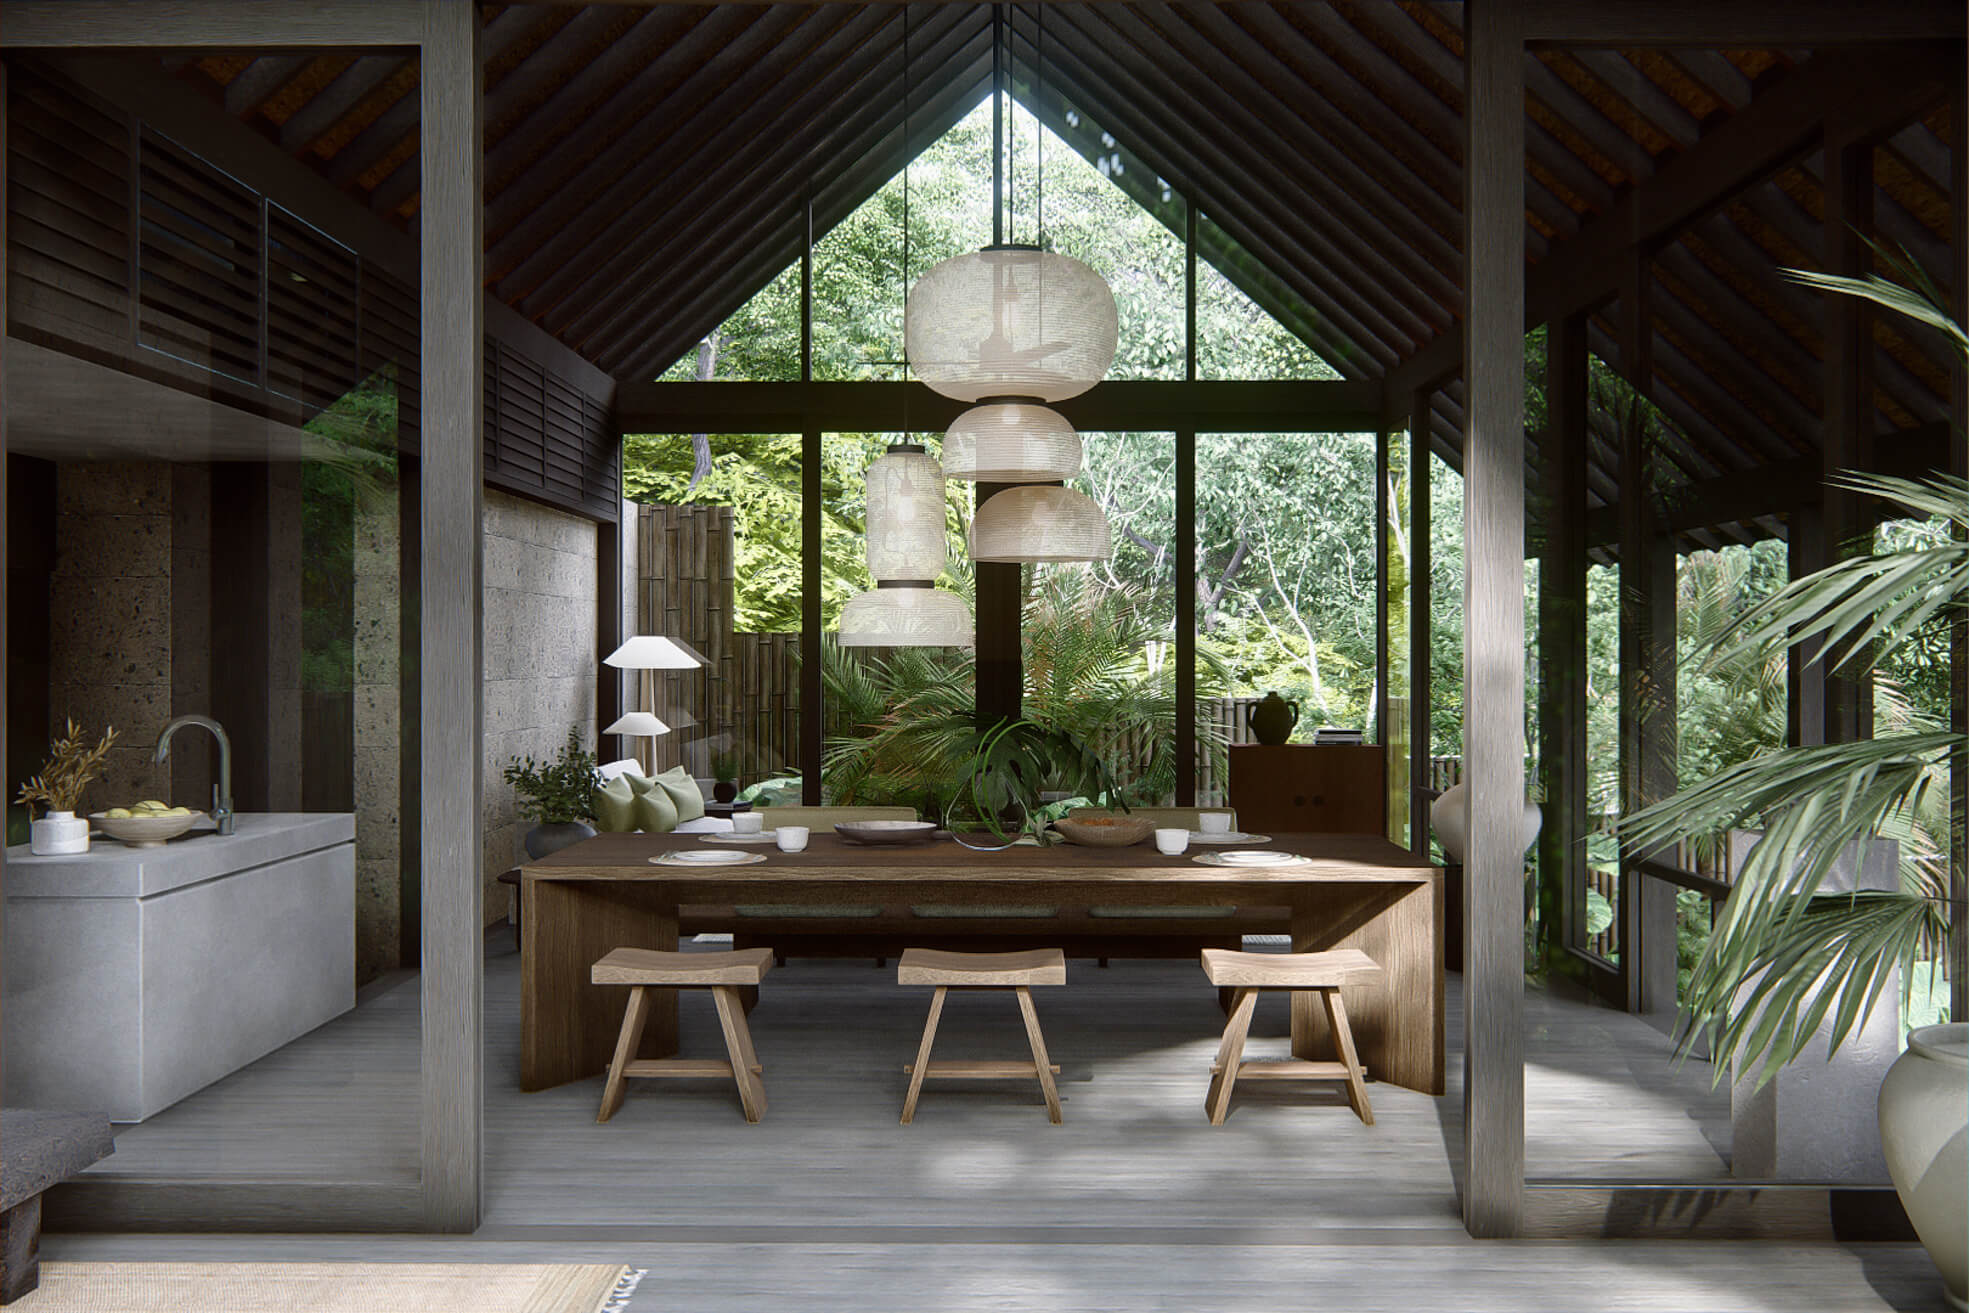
<point x="1298" y="788"/>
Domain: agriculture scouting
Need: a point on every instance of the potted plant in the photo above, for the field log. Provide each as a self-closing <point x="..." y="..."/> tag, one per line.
<point x="1009" y="763"/>
<point x="558" y="795"/>
<point x="58" y="789"/>
<point x="1785" y="959"/>
<point x="725" y="769"/>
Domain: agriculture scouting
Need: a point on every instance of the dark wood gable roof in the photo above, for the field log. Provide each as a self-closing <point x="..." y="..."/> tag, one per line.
<point x="648" y="168"/>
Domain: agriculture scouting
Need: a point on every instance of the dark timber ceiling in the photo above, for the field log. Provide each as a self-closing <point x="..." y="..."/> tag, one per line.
<point x="647" y="169"/>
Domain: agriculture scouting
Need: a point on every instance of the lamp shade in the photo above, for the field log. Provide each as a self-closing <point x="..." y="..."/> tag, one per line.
<point x="646" y="652"/>
<point x="638" y="724"/>
<point x="1011" y="442"/>
<point x="1010" y="321"/>
<point x="905" y="617"/>
<point x="906" y="538"/>
<point x="1040" y="522"/>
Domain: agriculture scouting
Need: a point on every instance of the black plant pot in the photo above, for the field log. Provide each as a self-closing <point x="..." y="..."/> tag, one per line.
<point x="724" y="791"/>
<point x="554" y="836"/>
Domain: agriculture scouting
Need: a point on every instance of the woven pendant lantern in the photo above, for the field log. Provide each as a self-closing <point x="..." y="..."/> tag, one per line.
<point x="1040" y="522"/>
<point x="907" y="550"/>
<point x="1011" y="442"/>
<point x="905" y="615"/>
<point x="1010" y="322"/>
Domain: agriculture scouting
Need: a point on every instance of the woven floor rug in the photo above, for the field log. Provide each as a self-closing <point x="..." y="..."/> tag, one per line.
<point x="329" y="1288"/>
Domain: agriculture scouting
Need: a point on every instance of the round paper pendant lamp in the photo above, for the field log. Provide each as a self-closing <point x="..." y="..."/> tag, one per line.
<point x="1010" y="321"/>
<point x="1011" y="442"/>
<point x="1040" y="522"/>
<point x="906" y="537"/>
<point x="905" y="617"/>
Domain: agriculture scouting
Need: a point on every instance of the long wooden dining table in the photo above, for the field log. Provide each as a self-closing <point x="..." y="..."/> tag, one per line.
<point x="1356" y="891"/>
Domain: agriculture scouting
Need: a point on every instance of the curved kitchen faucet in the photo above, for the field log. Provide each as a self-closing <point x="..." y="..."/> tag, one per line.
<point x="222" y="791"/>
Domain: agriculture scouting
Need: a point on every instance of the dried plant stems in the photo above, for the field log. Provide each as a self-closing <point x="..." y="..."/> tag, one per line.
<point x="71" y="765"/>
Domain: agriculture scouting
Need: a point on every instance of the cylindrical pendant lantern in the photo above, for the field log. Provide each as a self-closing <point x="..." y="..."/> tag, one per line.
<point x="905" y="616"/>
<point x="1040" y="522"/>
<point x="1010" y="321"/>
<point x="1011" y="442"/>
<point x="906" y="534"/>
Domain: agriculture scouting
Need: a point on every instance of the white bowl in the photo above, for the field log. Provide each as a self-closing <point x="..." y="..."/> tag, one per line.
<point x="145" y="831"/>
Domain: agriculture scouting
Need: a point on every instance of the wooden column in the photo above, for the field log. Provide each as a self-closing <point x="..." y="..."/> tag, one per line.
<point x="451" y="673"/>
<point x="1188" y="758"/>
<point x="1647" y="671"/>
<point x="1848" y="378"/>
<point x="811" y="685"/>
<point x="5" y="400"/>
<point x="1420" y="637"/>
<point x="1562" y="642"/>
<point x="1382" y="438"/>
<point x="1001" y="692"/>
<point x="1493" y="618"/>
<point x="1958" y="465"/>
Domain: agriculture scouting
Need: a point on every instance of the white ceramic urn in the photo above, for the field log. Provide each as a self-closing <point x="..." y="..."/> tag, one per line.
<point x="1450" y="815"/>
<point x="1924" y="1131"/>
<point x="58" y="834"/>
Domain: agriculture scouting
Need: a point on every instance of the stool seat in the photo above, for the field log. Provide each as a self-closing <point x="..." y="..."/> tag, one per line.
<point x="1017" y="972"/>
<point x="649" y="966"/>
<point x="1337" y="966"/>
<point x="934" y="966"/>
<point x="724" y="974"/>
<point x="1303" y="974"/>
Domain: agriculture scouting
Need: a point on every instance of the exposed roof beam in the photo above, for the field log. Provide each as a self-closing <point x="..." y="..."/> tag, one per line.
<point x="347" y="90"/>
<point x="1738" y="24"/>
<point x="257" y="82"/>
<point x="228" y="24"/>
<point x="1882" y="86"/>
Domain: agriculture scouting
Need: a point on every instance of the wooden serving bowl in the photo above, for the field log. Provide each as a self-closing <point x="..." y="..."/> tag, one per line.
<point x="1105" y="831"/>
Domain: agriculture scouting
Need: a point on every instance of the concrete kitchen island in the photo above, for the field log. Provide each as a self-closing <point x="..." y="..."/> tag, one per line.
<point x="135" y="976"/>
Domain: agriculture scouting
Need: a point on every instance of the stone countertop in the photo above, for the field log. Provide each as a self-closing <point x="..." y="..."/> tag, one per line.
<point x="112" y="869"/>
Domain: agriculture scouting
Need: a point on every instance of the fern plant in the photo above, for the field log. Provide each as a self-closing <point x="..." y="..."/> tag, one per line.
<point x="1784" y="957"/>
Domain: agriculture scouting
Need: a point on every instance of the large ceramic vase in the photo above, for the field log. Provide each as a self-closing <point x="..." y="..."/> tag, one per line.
<point x="1449" y="814"/>
<point x="554" y="836"/>
<point x="1924" y="1131"/>
<point x="1273" y="718"/>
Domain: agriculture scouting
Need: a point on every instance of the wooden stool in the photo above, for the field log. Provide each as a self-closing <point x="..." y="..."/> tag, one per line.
<point x="724" y="974"/>
<point x="1245" y="974"/>
<point x="1014" y="971"/>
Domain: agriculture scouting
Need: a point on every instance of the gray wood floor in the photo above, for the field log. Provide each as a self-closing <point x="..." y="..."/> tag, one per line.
<point x="1603" y="1101"/>
<point x="1135" y="1203"/>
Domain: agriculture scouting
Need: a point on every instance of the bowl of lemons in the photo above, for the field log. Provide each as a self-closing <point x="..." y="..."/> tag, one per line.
<point x="148" y="824"/>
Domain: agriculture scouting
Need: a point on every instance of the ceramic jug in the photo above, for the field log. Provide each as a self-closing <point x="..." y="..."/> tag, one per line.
<point x="1273" y="718"/>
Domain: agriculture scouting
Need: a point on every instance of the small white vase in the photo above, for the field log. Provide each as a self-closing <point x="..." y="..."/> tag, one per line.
<point x="1449" y="814"/>
<point x="57" y="834"/>
<point x="1924" y="1131"/>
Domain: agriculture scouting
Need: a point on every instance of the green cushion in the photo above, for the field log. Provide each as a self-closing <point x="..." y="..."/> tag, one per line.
<point x="614" y="805"/>
<point x="655" y="812"/>
<point x="684" y="793"/>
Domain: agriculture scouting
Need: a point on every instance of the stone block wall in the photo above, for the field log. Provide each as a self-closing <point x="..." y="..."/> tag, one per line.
<point x="540" y="658"/>
<point x="378" y="732"/>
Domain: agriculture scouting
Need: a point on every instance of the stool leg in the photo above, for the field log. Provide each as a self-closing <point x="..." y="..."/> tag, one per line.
<point x="1039" y="1058"/>
<point x="923" y="1055"/>
<point x="626" y="1044"/>
<point x="738" y="1044"/>
<point x="1229" y="1053"/>
<point x="1343" y="1038"/>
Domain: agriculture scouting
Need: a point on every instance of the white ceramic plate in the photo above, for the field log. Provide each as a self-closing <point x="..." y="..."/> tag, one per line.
<point x="1234" y="836"/>
<point x="764" y="836"/>
<point x="1251" y="860"/>
<point x="708" y="857"/>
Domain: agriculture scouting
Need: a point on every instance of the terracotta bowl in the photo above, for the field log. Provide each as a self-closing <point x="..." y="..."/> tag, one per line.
<point x="1105" y="831"/>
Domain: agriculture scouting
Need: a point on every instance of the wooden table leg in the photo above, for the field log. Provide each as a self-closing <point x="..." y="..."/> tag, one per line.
<point x="1398" y="1020"/>
<point x="568" y="1026"/>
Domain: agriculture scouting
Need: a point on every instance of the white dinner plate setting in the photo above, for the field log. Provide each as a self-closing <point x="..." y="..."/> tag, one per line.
<point x="707" y="857"/>
<point x="1230" y="836"/>
<point x="1235" y="858"/>
<point x="764" y="836"/>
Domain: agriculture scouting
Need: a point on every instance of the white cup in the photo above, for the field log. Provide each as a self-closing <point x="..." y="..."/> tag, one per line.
<point x="748" y="823"/>
<point x="1214" y="822"/>
<point x="791" y="838"/>
<point x="1171" y="842"/>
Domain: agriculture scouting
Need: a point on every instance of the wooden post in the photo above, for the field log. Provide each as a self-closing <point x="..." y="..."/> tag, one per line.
<point x="1420" y="637"/>
<point x="1958" y="465"/>
<point x="1848" y="378"/>
<point x="811" y="717"/>
<point x="1647" y="671"/>
<point x="1381" y="441"/>
<point x="1562" y="643"/>
<point x="1189" y="762"/>
<point x="451" y="673"/>
<point x="1493" y="619"/>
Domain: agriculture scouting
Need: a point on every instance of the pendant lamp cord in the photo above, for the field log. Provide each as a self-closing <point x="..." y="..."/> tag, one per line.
<point x="1038" y="124"/>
